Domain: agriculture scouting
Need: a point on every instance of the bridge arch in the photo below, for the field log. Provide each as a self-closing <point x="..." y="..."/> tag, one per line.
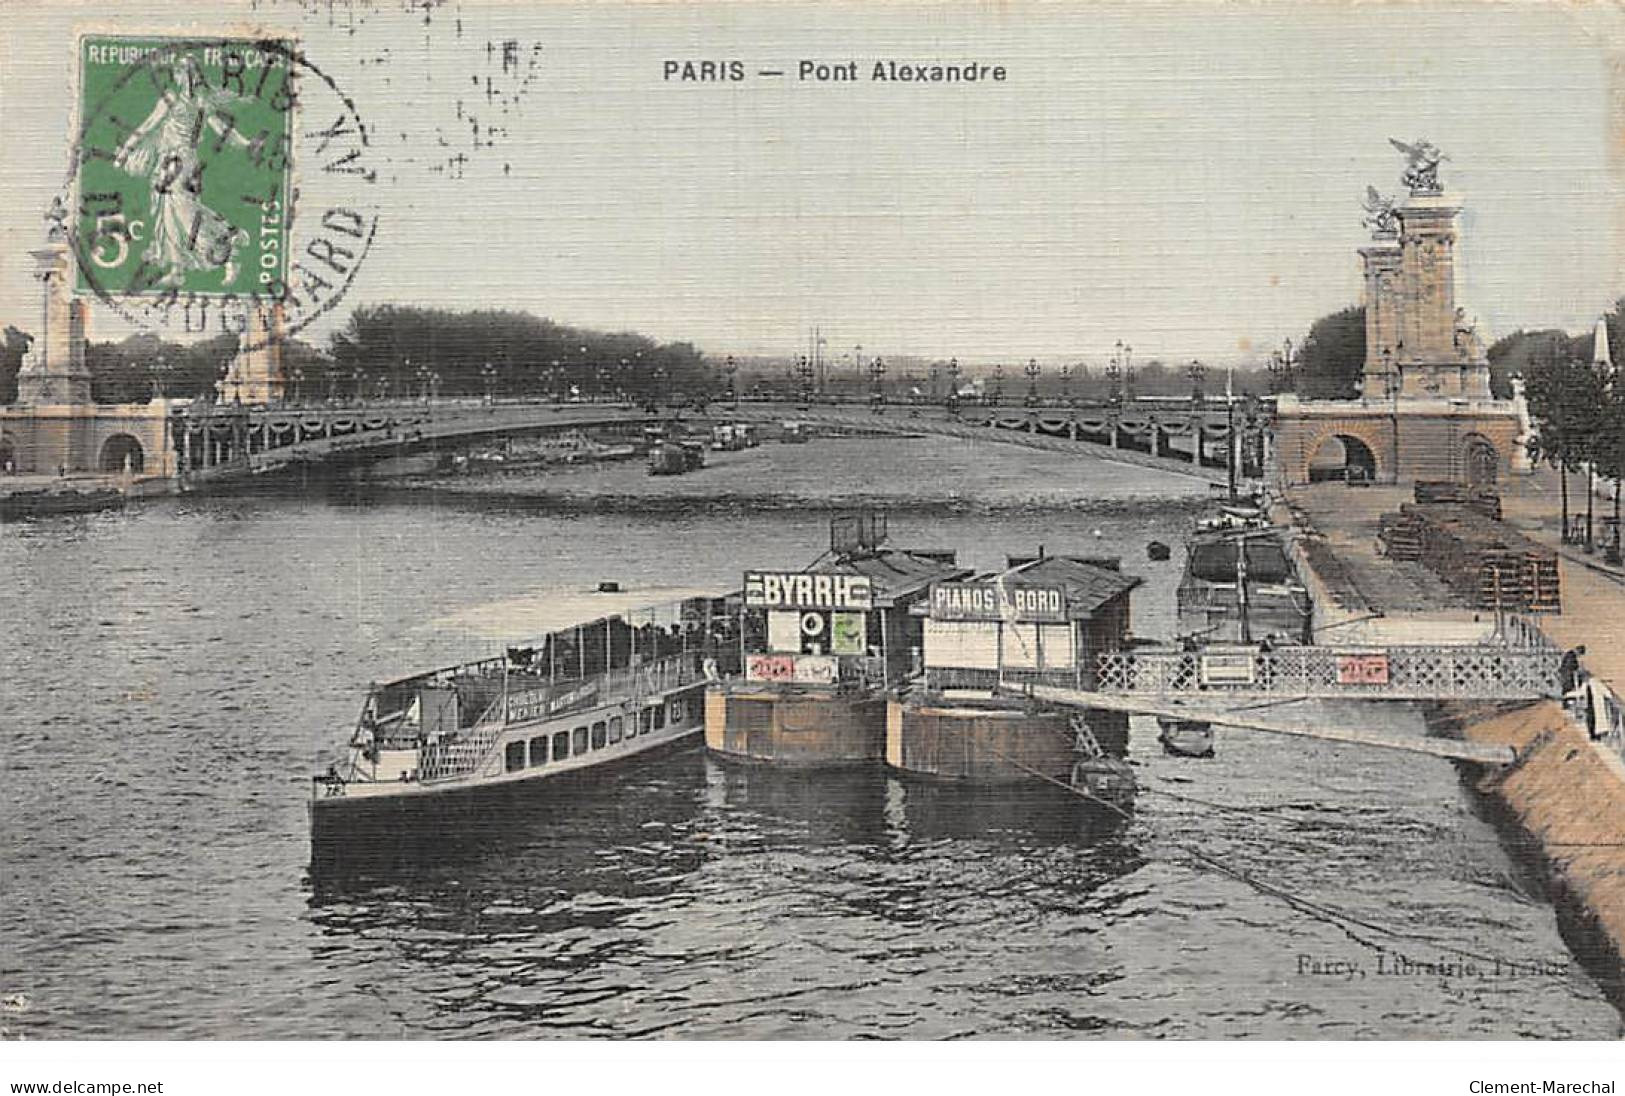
<point x="1341" y="453"/>
<point x="121" y="453"/>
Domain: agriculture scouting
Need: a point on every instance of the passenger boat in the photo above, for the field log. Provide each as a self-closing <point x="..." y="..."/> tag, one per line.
<point x="629" y="680"/>
<point x="668" y="458"/>
<point x="732" y="436"/>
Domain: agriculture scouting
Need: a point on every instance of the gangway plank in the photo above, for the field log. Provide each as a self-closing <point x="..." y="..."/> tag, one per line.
<point x="1437" y="747"/>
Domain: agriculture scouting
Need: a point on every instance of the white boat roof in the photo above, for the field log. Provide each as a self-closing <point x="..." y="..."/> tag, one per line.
<point x="534" y="615"/>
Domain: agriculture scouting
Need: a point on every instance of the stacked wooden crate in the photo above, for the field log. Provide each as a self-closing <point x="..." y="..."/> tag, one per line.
<point x="1488" y="564"/>
<point x="1485" y="500"/>
<point x="1401" y="535"/>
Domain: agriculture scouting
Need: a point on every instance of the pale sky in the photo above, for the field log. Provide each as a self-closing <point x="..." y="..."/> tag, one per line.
<point x="1185" y="177"/>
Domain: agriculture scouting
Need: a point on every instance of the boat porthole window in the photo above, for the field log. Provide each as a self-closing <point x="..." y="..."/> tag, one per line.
<point x="599" y="735"/>
<point x="615" y="729"/>
<point x="561" y="745"/>
<point x="660" y="716"/>
<point x="538" y="750"/>
<point x="578" y="741"/>
<point x="515" y="755"/>
<point x="646" y="721"/>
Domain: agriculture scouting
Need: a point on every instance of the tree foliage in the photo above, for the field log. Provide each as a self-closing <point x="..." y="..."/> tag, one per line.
<point x="1333" y="356"/>
<point x="132" y="370"/>
<point x="11" y="361"/>
<point x="528" y="356"/>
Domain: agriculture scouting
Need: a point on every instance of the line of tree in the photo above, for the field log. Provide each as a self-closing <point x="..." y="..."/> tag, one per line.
<point x="1577" y="409"/>
<point x="1332" y="358"/>
<point x="403" y="351"/>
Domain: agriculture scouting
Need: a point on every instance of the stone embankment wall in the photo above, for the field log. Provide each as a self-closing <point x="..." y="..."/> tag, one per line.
<point x="1569" y="794"/>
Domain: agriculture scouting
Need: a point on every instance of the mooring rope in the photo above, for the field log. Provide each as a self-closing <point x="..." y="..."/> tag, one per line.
<point x="1318" y="910"/>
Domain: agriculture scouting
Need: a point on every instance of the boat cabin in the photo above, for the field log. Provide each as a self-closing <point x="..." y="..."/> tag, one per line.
<point x="1043" y="618"/>
<point x="634" y="648"/>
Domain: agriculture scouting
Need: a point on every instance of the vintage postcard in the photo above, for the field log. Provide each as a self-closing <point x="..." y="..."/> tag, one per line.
<point x="767" y="521"/>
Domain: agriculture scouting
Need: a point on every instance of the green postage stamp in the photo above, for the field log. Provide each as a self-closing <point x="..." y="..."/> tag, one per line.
<point x="184" y="165"/>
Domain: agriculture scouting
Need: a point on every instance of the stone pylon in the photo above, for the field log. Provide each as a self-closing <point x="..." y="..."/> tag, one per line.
<point x="256" y="374"/>
<point x="1419" y="345"/>
<point x="54" y="370"/>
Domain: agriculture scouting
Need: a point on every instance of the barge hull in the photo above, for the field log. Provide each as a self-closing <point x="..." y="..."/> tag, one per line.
<point x="807" y="728"/>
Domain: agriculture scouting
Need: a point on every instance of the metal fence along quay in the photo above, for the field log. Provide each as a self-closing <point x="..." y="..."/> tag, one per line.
<point x="1433" y="672"/>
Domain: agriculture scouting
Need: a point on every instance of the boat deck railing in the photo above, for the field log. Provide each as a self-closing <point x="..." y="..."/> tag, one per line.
<point x="467" y="753"/>
<point x="658" y="676"/>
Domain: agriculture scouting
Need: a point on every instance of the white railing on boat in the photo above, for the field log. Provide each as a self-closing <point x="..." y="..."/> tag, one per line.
<point x="468" y="751"/>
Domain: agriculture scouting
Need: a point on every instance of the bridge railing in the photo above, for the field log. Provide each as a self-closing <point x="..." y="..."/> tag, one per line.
<point x="1432" y="672"/>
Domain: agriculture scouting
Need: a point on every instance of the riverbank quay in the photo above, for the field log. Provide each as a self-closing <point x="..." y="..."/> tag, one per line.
<point x="29" y="496"/>
<point x="1565" y="793"/>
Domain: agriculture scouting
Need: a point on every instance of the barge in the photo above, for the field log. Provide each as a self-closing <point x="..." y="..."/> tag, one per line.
<point x="1239" y="590"/>
<point x="627" y="681"/>
<point x="1239" y="584"/>
<point x="819" y="649"/>
<point x="1043" y="619"/>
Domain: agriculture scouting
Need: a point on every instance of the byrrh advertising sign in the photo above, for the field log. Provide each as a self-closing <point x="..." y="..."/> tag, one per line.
<point x="998" y="601"/>
<point x="801" y="590"/>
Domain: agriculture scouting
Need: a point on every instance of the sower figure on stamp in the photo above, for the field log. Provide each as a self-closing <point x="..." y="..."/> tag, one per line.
<point x="186" y="234"/>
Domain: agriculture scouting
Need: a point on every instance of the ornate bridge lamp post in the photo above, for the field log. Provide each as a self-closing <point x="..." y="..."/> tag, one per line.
<point x="877" y="375"/>
<point x="360" y="376"/>
<point x="1289" y="366"/>
<point x="804" y="375"/>
<point x="731" y="368"/>
<point x="1128" y="372"/>
<point x="434" y="385"/>
<point x="996" y="397"/>
<point x="1114" y="377"/>
<point x="1251" y="451"/>
<point x="423" y="383"/>
<point x="298" y="375"/>
<point x="1032" y="372"/>
<point x="488" y="374"/>
<point x="1066" y="386"/>
<point x="953" y="386"/>
<point x="160" y="373"/>
<point x="1197" y="372"/>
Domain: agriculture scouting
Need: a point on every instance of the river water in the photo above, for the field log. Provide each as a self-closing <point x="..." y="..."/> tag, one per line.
<point x="173" y="674"/>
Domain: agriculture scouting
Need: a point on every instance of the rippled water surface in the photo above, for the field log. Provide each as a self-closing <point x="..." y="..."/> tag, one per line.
<point x="173" y="673"/>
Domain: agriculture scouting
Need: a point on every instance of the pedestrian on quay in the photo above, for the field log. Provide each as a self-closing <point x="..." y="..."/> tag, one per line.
<point x="1569" y="672"/>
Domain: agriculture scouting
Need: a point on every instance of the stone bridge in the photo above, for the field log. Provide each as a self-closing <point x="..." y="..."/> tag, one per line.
<point x="222" y="442"/>
<point x="1397" y="440"/>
